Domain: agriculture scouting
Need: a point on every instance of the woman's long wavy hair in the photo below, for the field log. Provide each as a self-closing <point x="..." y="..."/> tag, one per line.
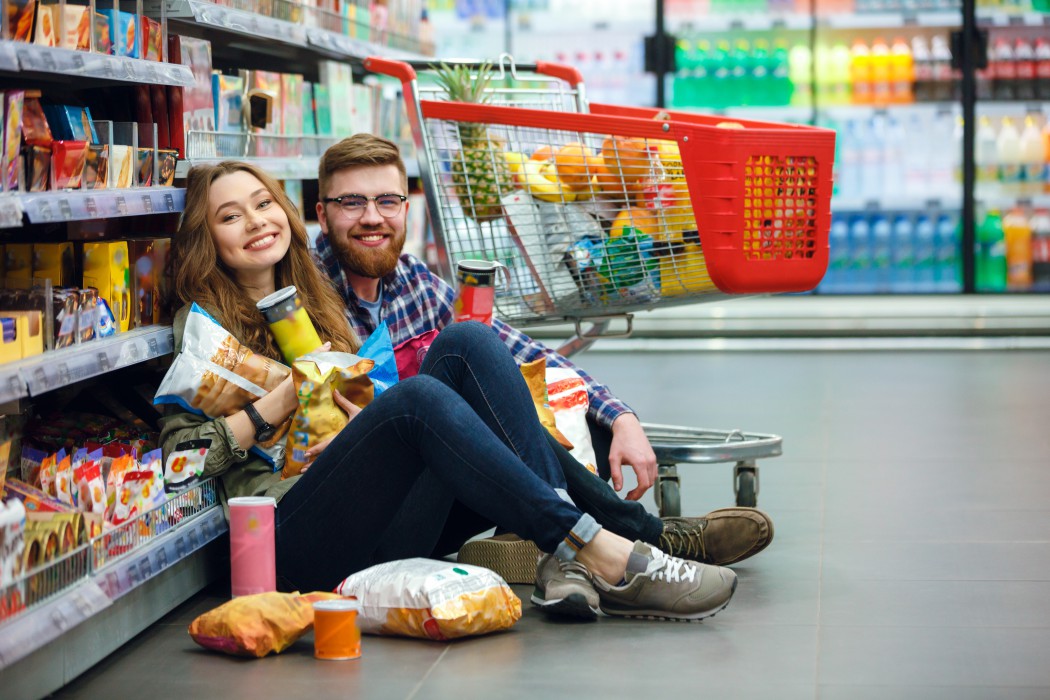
<point x="199" y="275"/>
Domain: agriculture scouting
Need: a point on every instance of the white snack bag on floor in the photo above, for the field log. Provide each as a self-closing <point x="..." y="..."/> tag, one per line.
<point x="431" y="599"/>
<point x="567" y="396"/>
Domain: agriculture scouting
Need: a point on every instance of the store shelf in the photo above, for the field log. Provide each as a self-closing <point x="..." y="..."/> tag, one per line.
<point x="10" y="210"/>
<point x="883" y="20"/>
<point x="234" y="20"/>
<point x="896" y="203"/>
<point x="1012" y="19"/>
<point x="82" y="64"/>
<point x="1006" y="200"/>
<point x="746" y="22"/>
<point x="280" y="168"/>
<point x="58" y="368"/>
<point x="81" y="205"/>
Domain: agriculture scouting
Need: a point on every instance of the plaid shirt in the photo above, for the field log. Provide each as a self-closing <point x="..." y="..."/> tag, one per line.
<point x="415" y="300"/>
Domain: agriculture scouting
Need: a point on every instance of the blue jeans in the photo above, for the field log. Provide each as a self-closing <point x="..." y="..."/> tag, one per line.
<point x="464" y="430"/>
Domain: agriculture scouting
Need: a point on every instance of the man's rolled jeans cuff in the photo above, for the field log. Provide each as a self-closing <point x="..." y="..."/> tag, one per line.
<point x="579" y="536"/>
<point x="564" y="495"/>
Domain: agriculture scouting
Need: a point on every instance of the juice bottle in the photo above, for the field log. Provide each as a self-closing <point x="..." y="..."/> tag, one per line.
<point x="839" y="79"/>
<point x="860" y="72"/>
<point x="1018" y="237"/>
<point x="902" y="72"/>
<point x="1032" y="163"/>
<point x="880" y="72"/>
<point x="1008" y="152"/>
<point x="800" y="73"/>
<point x="984" y="154"/>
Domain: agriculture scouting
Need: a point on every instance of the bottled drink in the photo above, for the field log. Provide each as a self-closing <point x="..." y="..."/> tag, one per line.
<point x="1004" y="70"/>
<point x="1024" y="60"/>
<point x="1040" y="225"/>
<point x="699" y="78"/>
<point x="780" y="80"/>
<point x="1041" y="55"/>
<point x="721" y="83"/>
<point x="949" y="271"/>
<point x="881" y="253"/>
<point x="1018" y="237"/>
<point x="991" y="254"/>
<point x="837" y="279"/>
<point x="1032" y="164"/>
<point x="904" y="254"/>
<point x="902" y="72"/>
<point x="800" y="67"/>
<point x="1008" y="152"/>
<point x="925" y="238"/>
<point x="984" y="154"/>
<point x="682" y="82"/>
<point x="758" y="89"/>
<point x="860" y="249"/>
<point x="738" y="67"/>
<point x="957" y="151"/>
<point x="922" y="61"/>
<point x="860" y="73"/>
<point x="880" y="72"/>
<point x="941" y="69"/>
<point x="839" y="78"/>
<point x="894" y="140"/>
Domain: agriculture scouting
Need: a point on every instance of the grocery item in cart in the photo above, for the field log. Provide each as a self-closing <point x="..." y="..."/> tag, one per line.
<point x="542" y="266"/>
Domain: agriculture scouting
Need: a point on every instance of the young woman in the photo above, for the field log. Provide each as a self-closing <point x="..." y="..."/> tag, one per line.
<point x="464" y="431"/>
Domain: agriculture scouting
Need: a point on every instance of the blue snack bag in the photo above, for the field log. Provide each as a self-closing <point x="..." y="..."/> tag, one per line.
<point x="380" y="350"/>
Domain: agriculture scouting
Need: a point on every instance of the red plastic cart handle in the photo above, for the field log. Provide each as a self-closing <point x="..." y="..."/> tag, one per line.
<point x="386" y="66"/>
<point x="559" y="70"/>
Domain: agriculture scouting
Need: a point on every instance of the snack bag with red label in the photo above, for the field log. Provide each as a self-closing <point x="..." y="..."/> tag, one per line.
<point x="567" y="395"/>
<point x="91" y="489"/>
<point x="130" y="498"/>
<point x="64" y="478"/>
<point x="114" y="480"/>
<point x="185" y="465"/>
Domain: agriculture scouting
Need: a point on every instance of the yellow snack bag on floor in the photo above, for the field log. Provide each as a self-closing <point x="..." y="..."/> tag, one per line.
<point x="431" y="599"/>
<point x="255" y="625"/>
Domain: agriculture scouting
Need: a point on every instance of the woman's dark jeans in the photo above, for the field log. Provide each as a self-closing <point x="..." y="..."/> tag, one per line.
<point x="464" y="430"/>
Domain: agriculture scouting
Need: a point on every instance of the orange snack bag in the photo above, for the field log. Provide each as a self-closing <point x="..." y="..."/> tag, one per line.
<point x="535" y="374"/>
<point x="255" y="625"/>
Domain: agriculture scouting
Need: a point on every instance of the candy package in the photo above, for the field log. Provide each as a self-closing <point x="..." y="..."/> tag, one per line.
<point x="255" y="625"/>
<point x="431" y="599"/>
<point x="91" y="489"/>
<point x="185" y="465"/>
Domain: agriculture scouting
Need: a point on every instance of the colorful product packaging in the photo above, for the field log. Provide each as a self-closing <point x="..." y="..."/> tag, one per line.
<point x="106" y="269"/>
<point x="14" y="101"/>
<point x="67" y="164"/>
<point x="152" y="39"/>
<point x="54" y="261"/>
<point x="76" y="27"/>
<point x="96" y="162"/>
<point x="121" y="166"/>
<point x="167" y="159"/>
<point x="185" y="465"/>
<point x="103" y="34"/>
<point x="46" y="33"/>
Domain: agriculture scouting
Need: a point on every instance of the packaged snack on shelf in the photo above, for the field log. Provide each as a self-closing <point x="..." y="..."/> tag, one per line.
<point x="124" y="32"/>
<point x="67" y="164"/>
<point x="38" y="168"/>
<point x="132" y="496"/>
<point x="167" y="159"/>
<point x="46" y="33"/>
<point x="54" y="261"/>
<point x="154" y="494"/>
<point x="96" y="162"/>
<point x="228" y="95"/>
<point x="107" y="324"/>
<point x="20" y="15"/>
<point x="29" y="464"/>
<point x="32" y="498"/>
<point x="19" y="264"/>
<point x="121" y="166"/>
<point x="144" y="160"/>
<point x="106" y="269"/>
<point x="103" y="34"/>
<point x="35" y="128"/>
<point x="14" y="101"/>
<point x="118" y="467"/>
<point x="10" y="345"/>
<point x="152" y="39"/>
<point x="48" y="524"/>
<point x="12" y="539"/>
<point x="63" y="485"/>
<point x="185" y="465"/>
<point x="66" y="310"/>
<point x="91" y="489"/>
<point x="431" y="599"/>
<point x="87" y="318"/>
<point x="48" y="475"/>
<point x="76" y="27"/>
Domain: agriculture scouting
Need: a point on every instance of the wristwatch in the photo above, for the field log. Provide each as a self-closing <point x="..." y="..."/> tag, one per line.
<point x="263" y="430"/>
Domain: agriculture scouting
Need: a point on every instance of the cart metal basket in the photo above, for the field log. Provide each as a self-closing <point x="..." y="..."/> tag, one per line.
<point x="599" y="211"/>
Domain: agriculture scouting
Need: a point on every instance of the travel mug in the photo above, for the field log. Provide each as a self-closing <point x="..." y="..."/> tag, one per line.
<point x="291" y="326"/>
<point x="477" y="291"/>
<point x="253" y="562"/>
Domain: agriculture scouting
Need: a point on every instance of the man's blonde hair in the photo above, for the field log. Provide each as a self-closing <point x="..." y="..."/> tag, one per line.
<point x="356" y="151"/>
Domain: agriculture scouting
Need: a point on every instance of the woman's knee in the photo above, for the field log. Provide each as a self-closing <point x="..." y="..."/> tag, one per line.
<point x="464" y="334"/>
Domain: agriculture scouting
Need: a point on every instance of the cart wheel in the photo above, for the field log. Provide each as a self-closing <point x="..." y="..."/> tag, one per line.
<point x="746" y="487"/>
<point x="669" y="498"/>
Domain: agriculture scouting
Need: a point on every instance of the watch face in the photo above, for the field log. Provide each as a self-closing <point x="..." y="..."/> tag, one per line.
<point x="265" y="434"/>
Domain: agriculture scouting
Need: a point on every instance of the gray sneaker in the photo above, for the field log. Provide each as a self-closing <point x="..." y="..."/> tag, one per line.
<point x="565" y="588"/>
<point x="661" y="586"/>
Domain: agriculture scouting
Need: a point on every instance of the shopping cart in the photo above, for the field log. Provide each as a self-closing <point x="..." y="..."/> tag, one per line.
<point x="600" y="211"/>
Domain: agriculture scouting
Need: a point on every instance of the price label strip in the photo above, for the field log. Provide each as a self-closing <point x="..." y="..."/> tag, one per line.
<point x="10" y="211"/>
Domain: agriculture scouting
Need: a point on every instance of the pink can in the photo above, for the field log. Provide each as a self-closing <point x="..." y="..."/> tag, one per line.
<point x="253" y="562"/>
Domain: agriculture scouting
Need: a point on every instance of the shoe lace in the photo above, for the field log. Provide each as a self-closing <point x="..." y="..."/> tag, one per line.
<point x="670" y="569"/>
<point x="685" y="541"/>
<point x="574" y="570"/>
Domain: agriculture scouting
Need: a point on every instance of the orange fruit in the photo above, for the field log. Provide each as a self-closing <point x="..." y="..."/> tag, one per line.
<point x="626" y="158"/>
<point x="645" y="220"/>
<point x="543" y="153"/>
<point x="574" y="162"/>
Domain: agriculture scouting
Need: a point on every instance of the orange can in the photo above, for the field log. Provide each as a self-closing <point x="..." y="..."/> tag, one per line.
<point x="336" y="634"/>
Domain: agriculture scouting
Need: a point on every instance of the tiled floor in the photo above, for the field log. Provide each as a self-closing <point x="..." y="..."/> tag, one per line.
<point x="911" y="558"/>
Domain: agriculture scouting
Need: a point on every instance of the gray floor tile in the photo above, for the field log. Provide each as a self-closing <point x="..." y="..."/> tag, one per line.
<point x="916" y="561"/>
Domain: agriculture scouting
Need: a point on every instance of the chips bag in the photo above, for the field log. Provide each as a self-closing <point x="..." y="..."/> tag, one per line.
<point x="431" y="599"/>
<point x="535" y="377"/>
<point x="316" y="376"/>
<point x="255" y="625"/>
<point x="567" y="394"/>
<point x="410" y="354"/>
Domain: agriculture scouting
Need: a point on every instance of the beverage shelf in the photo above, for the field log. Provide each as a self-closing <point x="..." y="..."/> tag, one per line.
<point x="34" y="376"/>
<point x="896" y="203"/>
<point x="21" y="56"/>
<point x="1012" y="19"/>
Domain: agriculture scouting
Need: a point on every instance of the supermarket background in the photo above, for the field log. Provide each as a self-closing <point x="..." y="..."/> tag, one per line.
<point x="917" y="363"/>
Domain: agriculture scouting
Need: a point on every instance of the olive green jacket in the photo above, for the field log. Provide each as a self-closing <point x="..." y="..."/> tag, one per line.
<point x="240" y="472"/>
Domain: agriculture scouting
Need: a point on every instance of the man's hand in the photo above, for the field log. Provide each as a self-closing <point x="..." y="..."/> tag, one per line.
<point x="351" y="411"/>
<point x="631" y="447"/>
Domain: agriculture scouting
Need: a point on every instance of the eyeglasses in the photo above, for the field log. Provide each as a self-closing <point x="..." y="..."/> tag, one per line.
<point x="353" y="205"/>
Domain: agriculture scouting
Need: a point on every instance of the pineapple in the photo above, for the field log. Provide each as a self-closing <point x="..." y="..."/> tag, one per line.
<point x="479" y="168"/>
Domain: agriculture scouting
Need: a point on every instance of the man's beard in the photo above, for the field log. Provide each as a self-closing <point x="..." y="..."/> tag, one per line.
<point x="369" y="262"/>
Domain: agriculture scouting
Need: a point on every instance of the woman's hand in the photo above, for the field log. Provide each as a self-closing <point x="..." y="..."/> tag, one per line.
<point x="351" y="411"/>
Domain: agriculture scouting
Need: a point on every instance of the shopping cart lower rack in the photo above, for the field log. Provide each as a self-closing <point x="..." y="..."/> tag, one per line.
<point x="600" y="211"/>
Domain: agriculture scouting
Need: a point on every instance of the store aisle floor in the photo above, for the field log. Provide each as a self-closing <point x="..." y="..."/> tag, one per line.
<point x="911" y="557"/>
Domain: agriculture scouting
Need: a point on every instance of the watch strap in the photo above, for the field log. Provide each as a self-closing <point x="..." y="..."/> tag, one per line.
<point x="261" y="425"/>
